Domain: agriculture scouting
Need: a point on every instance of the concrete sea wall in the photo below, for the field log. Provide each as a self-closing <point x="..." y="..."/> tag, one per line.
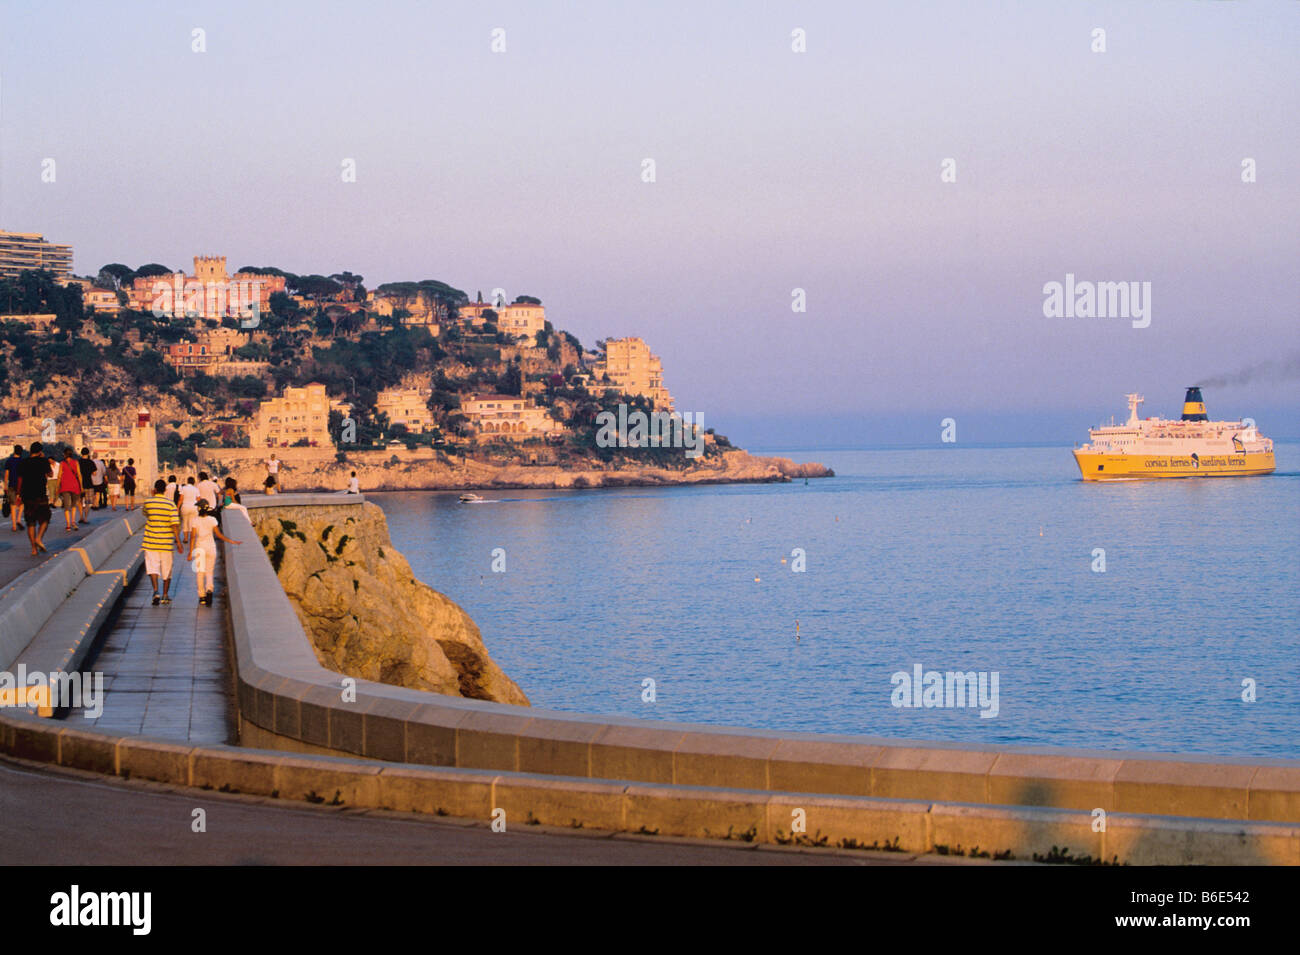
<point x="286" y="700"/>
<point x="372" y="745"/>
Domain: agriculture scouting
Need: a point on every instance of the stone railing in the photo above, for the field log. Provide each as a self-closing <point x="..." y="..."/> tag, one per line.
<point x="50" y="615"/>
<point x="491" y="762"/>
<point x="287" y="700"/>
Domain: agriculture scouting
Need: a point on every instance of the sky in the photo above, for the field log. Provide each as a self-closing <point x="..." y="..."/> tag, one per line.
<point x="774" y="171"/>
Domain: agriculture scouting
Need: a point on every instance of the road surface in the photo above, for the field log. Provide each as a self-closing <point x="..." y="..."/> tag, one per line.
<point x="63" y="817"/>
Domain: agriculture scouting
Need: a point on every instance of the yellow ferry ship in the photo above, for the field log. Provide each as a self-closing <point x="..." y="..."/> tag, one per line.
<point x="1193" y="446"/>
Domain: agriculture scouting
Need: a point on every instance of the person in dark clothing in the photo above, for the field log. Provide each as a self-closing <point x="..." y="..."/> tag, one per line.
<point x="87" y="467"/>
<point x="128" y="483"/>
<point x="12" y="467"/>
<point x="32" y="477"/>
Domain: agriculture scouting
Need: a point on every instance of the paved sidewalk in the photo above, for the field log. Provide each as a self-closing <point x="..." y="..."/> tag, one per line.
<point x="166" y="670"/>
<point x="16" y="550"/>
<point x="67" y="818"/>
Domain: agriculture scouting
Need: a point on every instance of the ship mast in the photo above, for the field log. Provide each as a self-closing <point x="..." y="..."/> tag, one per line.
<point x="1133" y="401"/>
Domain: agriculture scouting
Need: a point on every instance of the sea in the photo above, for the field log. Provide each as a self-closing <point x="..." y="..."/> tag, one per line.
<point x="1158" y="616"/>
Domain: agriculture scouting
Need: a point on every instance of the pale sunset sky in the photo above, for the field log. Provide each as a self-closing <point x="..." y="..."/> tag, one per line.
<point x="775" y="170"/>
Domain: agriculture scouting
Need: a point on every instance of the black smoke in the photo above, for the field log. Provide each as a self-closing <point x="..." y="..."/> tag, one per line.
<point x="1281" y="369"/>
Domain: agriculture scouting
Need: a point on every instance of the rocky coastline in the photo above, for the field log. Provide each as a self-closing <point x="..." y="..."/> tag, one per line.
<point x="366" y="613"/>
<point x="377" y="473"/>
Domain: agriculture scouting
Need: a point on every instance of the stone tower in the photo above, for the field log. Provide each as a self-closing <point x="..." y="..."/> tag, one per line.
<point x="144" y="442"/>
<point x="210" y="268"/>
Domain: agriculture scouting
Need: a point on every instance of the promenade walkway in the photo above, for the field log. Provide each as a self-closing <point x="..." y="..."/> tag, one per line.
<point x="166" y="669"/>
<point x="167" y="675"/>
<point x="16" y="551"/>
<point x="80" y="819"/>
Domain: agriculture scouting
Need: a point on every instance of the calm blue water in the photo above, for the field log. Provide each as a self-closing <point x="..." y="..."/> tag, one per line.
<point x="960" y="558"/>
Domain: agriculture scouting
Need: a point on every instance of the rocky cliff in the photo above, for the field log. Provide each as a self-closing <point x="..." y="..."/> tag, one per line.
<point x="367" y="614"/>
<point x="429" y="474"/>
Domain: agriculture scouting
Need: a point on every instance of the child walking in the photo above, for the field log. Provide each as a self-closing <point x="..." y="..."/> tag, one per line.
<point x="204" y="535"/>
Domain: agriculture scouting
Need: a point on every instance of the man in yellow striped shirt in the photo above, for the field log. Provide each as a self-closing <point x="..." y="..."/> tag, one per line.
<point x="162" y="523"/>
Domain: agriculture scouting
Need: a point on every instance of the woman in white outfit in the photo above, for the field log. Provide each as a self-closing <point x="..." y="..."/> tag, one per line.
<point x="189" y="499"/>
<point x="203" y="537"/>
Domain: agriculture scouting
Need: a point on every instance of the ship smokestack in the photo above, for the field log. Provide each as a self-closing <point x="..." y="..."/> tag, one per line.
<point x="1194" y="406"/>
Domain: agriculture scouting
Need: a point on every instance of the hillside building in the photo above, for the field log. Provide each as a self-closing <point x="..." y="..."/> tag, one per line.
<point x="24" y="251"/>
<point x="101" y="300"/>
<point x="632" y="369"/>
<point x="302" y="414"/>
<point x="406" y="406"/>
<point x="507" y="417"/>
<point x="523" y="320"/>
<point x="209" y="293"/>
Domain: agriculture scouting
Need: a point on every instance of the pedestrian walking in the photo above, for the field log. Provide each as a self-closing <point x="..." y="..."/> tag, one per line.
<point x="162" y="526"/>
<point x="70" y="489"/>
<point x="189" y="498"/>
<point x="128" y="483"/>
<point x="99" y="483"/>
<point x="87" y="466"/>
<point x="33" y="488"/>
<point x="203" y="537"/>
<point x="13" y="464"/>
<point x="208" y="490"/>
<point x="55" y="465"/>
<point x="113" y="477"/>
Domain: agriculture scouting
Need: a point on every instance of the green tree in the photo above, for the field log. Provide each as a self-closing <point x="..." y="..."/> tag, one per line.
<point x="315" y="286"/>
<point x="512" y="380"/>
<point x="247" y="386"/>
<point x="268" y="270"/>
<point x="347" y="324"/>
<point x="282" y="306"/>
<point x="40" y="292"/>
<point x="115" y="275"/>
<point x="253" y="351"/>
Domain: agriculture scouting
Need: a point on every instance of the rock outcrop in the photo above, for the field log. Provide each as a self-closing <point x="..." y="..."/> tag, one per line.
<point x="367" y="614"/>
<point x="427" y="474"/>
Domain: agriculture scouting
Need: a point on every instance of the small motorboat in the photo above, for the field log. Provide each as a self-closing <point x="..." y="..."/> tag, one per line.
<point x="469" y="497"/>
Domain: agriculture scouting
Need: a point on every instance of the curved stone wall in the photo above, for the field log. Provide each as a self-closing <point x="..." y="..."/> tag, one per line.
<point x="545" y="767"/>
<point x="286" y="699"/>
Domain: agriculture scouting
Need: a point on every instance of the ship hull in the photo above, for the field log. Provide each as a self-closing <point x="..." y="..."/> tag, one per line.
<point x="1100" y="466"/>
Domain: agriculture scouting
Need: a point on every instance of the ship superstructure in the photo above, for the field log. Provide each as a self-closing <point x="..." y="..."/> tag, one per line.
<point x="1191" y="446"/>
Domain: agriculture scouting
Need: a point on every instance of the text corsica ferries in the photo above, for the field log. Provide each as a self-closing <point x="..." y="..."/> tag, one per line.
<point x="1192" y="446"/>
